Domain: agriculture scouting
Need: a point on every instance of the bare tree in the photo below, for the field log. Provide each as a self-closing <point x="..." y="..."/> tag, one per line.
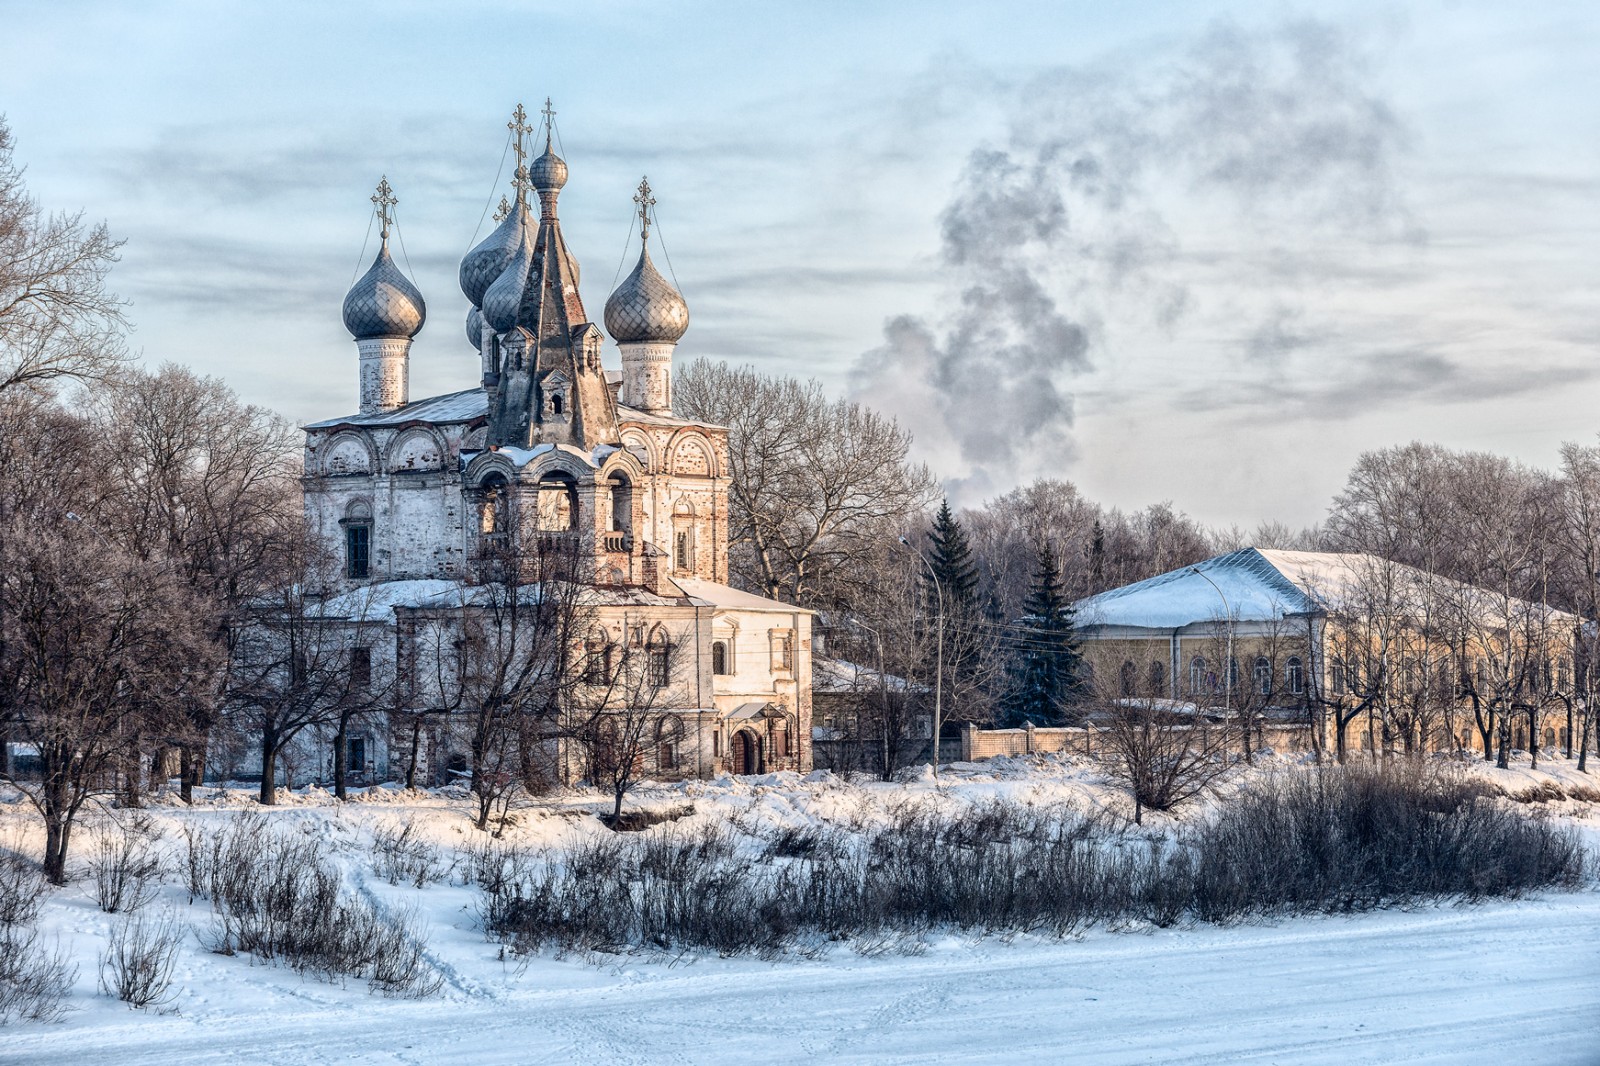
<point x="95" y="647"/>
<point x="818" y="484"/>
<point x="57" y="320"/>
<point x="1164" y="753"/>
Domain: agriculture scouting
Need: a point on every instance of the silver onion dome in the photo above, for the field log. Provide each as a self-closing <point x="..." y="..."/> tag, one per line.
<point x="502" y="302"/>
<point x="383" y="302"/>
<point x="475" y="328"/>
<point x="548" y="173"/>
<point x="646" y="308"/>
<point x="481" y="266"/>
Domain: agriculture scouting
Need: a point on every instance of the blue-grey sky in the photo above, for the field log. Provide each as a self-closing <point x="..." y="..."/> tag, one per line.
<point x="1197" y="252"/>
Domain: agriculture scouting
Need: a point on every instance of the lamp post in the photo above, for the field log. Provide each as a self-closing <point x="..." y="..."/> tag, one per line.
<point x="938" y="676"/>
<point x="1227" y="667"/>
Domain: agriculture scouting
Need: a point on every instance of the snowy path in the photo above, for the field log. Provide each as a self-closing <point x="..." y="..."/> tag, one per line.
<point x="1507" y="982"/>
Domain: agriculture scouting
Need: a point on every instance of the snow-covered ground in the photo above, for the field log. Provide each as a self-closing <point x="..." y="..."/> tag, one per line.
<point x="1505" y="981"/>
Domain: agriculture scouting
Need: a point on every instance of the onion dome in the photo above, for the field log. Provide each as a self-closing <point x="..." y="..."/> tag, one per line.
<point x="383" y="302"/>
<point x="502" y="302"/>
<point x="481" y="266"/>
<point x="475" y="328"/>
<point x="646" y="308"/>
<point x="548" y="173"/>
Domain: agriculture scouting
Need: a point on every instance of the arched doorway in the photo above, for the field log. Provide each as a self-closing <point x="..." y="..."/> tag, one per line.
<point x="746" y="753"/>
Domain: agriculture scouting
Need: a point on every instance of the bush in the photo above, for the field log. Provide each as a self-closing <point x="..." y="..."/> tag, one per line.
<point x="136" y="966"/>
<point x="126" y="866"/>
<point x="35" y="981"/>
<point x="279" y="897"/>
<point x="22" y="889"/>
<point x="401" y="855"/>
<point x="1362" y="836"/>
<point x="1331" y="839"/>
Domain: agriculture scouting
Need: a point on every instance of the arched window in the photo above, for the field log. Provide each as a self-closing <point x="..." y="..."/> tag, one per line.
<point x="357" y="523"/>
<point x="1297" y="676"/>
<point x="1263" y="676"/>
<point x="557" y="403"/>
<point x="597" y="658"/>
<point x="669" y="743"/>
<point x="660" y="657"/>
<point x="1128" y="678"/>
<point x="1197" y="674"/>
<point x="1158" y="678"/>
<point x="1233" y="674"/>
<point x="1549" y="737"/>
<point x="719" y="657"/>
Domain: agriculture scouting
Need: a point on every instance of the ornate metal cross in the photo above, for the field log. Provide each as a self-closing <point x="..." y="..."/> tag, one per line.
<point x="519" y="129"/>
<point x="503" y="210"/>
<point x="549" y="122"/>
<point x="383" y="200"/>
<point x="645" y="202"/>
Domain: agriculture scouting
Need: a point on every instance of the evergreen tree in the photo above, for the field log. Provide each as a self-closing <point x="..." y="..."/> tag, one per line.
<point x="1046" y="665"/>
<point x="950" y="555"/>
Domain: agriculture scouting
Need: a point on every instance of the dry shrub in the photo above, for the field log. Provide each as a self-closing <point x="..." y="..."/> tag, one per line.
<point x="1325" y="840"/>
<point x="400" y="855"/>
<point x="126" y="866"/>
<point x="35" y="981"/>
<point x="22" y="888"/>
<point x="637" y="821"/>
<point x="137" y="963"/>
<point x="279" y="897"/>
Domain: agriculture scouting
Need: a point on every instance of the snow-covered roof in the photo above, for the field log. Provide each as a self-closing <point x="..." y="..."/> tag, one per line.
<point x="1253" y="586"/>
<point x="377" y="602"/>
<point x="711" y="594"/>
<point x="1258" y="585"/>
<point x="837" y="675"/>
<point x="468" y="406"/>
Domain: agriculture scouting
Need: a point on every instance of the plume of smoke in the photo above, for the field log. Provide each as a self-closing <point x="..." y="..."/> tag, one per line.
<point x="1116" y="188"/>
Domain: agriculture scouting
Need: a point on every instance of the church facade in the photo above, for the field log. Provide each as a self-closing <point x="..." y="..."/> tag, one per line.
<point x="550" y="469"/>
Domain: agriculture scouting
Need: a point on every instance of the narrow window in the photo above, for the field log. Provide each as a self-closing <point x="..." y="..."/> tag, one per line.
<point x="1263" y="677"/>
<point x="557" y="402"/>
<point x="660" y="665"/>
<point x="1197" y="674"/>
<point x="1158" y="678"/>
<point x="719" y="658"/>
<point x="357" y="548"/>
<point x="360" y="669"/>
<point x="356" y="755"/>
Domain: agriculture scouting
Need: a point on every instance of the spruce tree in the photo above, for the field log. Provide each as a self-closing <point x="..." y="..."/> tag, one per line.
<point x="1047" y="666"/>
<point x="950" y="556"/>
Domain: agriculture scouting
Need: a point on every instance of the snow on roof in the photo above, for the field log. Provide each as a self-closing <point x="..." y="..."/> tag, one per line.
<point x="711" y="594"/>
<point x="837" y="675"/>
<point x="470" y="405"/>
<point x="1259" y="585"/>
<point x="1252" y="586"/>
<point x="376" y="602"/>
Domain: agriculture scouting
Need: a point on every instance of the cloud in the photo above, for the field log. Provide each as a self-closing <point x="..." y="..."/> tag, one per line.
<point x="1129" y="194"/>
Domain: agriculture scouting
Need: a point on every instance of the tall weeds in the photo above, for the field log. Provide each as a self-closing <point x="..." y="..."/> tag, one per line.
<point x="1328" y="840"/>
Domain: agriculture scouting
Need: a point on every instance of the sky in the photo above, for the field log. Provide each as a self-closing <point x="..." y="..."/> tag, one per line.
<point x="1199" y="253"/>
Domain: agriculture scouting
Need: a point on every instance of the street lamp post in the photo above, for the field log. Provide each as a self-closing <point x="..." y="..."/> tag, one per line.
<point x="1227" y="667"/>
<point x="938" y="676"/>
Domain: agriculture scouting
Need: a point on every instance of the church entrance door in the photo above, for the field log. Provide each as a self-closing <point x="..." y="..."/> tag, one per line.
<point x="746" y="753"/>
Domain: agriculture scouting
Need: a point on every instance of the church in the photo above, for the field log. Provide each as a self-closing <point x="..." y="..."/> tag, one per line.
<point x="549" y="456"/>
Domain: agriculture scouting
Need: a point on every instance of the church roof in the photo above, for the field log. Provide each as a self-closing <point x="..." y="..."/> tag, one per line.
<point x="711" y="594"/>
<point x="468" y="406"/>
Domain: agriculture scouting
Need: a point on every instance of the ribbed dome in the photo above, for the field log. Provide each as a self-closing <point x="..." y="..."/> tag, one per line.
<point x="475" y="328"/>
<point x="502" y="302"/>
<point x="549" y="171"/>
<point x="646" y="307"/>
<point x="384" y="303"/>
<point x="489" y="259"/>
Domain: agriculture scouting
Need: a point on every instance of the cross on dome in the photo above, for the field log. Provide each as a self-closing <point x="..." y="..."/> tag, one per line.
<point x="503" y="210"/>
<point x="549" y="121"/>
<point x="645" y="202"/>
<point x="383" y="200"/>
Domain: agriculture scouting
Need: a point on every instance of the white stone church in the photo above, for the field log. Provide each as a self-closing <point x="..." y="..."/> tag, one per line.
<point x="547" y="447"/>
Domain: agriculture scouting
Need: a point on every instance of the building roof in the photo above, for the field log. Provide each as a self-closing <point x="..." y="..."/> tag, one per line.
<point x="468" y="406"/>
<point x="711" y="594"/>
<point x="1258" y="585"/>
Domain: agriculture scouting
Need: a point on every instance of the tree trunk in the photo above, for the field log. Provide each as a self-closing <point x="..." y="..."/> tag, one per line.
<point x="1533" y="737"/>
<point x="411" y="759"/>
<point x="268" y="796"/>
<point x="341" y="758"/>
<point x="57" y="832"/>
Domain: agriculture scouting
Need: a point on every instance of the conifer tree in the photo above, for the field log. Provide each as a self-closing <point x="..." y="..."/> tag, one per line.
<point x="1047" y="665"/>
<point x="950" y="555"/>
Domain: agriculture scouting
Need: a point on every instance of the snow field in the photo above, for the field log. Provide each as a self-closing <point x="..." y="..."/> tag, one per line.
<point x="1505" y="980"/>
